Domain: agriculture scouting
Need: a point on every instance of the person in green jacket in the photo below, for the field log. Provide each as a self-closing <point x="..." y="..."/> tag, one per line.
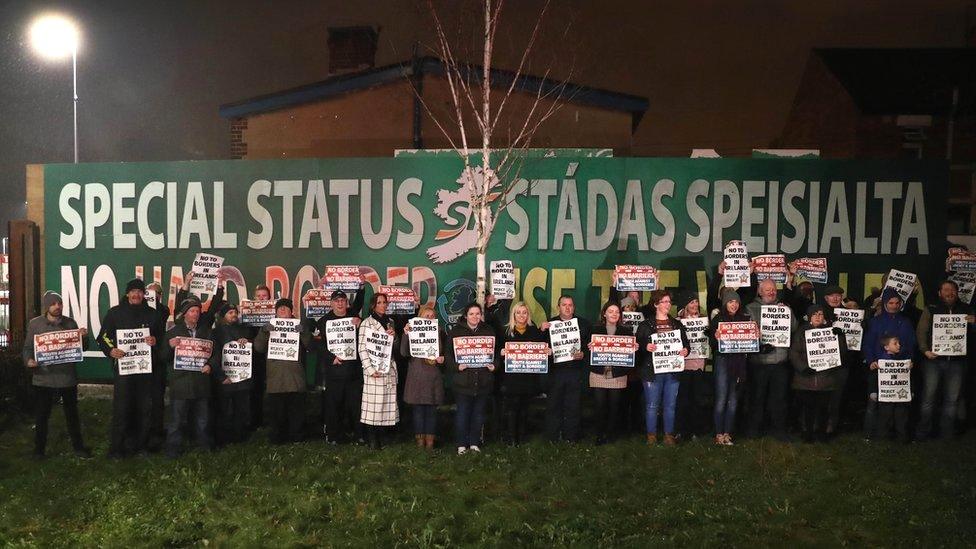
<point x="189" y="389"/>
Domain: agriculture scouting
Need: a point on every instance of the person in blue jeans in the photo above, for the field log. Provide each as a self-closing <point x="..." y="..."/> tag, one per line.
<point x="473" y="383"/>
<point x="660" y="376"/>
<point x="730" y="369"/>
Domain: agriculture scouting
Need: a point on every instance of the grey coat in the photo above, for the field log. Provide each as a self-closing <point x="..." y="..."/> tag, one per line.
<point x="55" y="376"/>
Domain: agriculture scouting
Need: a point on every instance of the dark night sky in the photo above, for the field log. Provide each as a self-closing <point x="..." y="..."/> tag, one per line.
<point x="719" y="74"/>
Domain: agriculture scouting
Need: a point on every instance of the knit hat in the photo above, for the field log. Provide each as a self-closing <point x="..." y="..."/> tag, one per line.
<point x="226" y="308"/>
<point x="338" y="294"/>
<point x="135" y="284"/>
<point x="188" y="304"/>
<point x="831" y="290"/>
<point x="889" y="293"/>
<point x="814" y="309"/>
<point x="627" y="302"/>
<point x="50" y="298"/>
<point x="682" y="299"/>
<point x="730" y="295"/>
<point x="284" y="302"/>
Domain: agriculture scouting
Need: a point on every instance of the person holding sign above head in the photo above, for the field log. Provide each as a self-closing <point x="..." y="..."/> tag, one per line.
<point x="233" y="391"/>
<point x="518" y="387"/>
<point x="567" y="332"/>
<point x="472" y="355"/>
<point x="816" y="356"/>
<point x="209" y="316"/>
<point x="889" y="320"/>
<point x="189" y="377"/>
<point x="54" y="375"/>
<point x="891" y="414"/>
<point x="340" y="368"/>
<point x="284" y="340"/>
<point x="129" y="331"/>
<point x="694" y="396"/>
<point x="769" y="369"/>
<point x="663" y="346"/>
<point x="377" y="339"/>
<point x="730" y="367"/>
<point x="942" y="337"/>
<point x="608" y="382"/>
<point x="424" y="390"/>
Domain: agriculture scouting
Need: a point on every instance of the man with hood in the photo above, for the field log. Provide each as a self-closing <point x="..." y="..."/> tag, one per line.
<point x="888" y="320"/>
<point x="54" y="381"/>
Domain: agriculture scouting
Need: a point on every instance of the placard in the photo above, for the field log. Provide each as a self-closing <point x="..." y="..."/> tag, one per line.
<point x="823" y="349"/>
<point x="737" y="337"/>
<point x="284" y="340"/>
<point x="474" y="351"/>
<point x="894" y="380"/>
<point x="340" y="338"/>
<point x="636" y="278"/>
<point x="424" y="338"/>
<point x="967" y="285"/>
<point x="698" y="346"/>
<point x="59" y="347"/>
<point x="666" y="356"/>
<point x="502" y="274"/>
<point x="191" y="353"/>
<point x="813" y="269"/>
<point x="960" y="260"/>
<point x="851" y="322"/>
<point x="901" y="282"/>
<point x="737" y="271"/>
<point x="151" y="298"/>
<point x="400" y="300"/>
<point x="631" y="319"/>
<point x="770" y="266"/>
<point x="342" y="277"/>
<point x="526" y="357"/>
<point x="949" y="335"/>
<point x="256" y="313"/>
<point x="138" y="353"/>
<point x="205" y="268"/>
<point x="564" y="338"/>
<point x="379" y="347"/>
<point x="316" y="303"/>
<point x="774" y="325"/>
<point x="236" y="360"/>
<point x="612" y="350"/>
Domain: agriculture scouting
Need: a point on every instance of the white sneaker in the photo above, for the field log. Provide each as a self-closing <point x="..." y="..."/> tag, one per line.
<point x="462" y="450"/>
<point x="475" y="449"/>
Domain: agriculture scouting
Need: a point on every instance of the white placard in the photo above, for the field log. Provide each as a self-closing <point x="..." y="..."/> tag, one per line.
<point x="138" y="353"/>
<point x="666" y="355"/>
<point x="236" y="360"/>
<point x="823" y="349"/>
<point x="894" y="380"/>
<point x="151" y="298"/>
<point x="698" y="346"/>
<point x="424" y="338"/>
<point x="949" y="335"/>
<point x="379" y="346"/>
<point x="631" y="319"/>
<point x="340" y="338"/>
<point x="564" y="338"/>
<point x="774" y="325"/>
<point x="851" y="322"/>
<point x="902" y="282"/>
<point x="502" y="279"/>
<point x="966" y="281"/>
<point x="205" y="267"/>
<point x="284" y="340"/>
<point x="737" y="270"/>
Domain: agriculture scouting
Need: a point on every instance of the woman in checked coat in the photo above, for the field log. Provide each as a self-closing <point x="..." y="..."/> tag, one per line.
<point x="379" y="405"/>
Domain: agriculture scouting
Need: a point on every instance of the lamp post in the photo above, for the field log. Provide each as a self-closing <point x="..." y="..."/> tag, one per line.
<point x="56" y="37"/>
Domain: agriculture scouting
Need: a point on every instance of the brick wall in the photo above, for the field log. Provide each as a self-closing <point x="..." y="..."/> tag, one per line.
<point x="238" y="146"/>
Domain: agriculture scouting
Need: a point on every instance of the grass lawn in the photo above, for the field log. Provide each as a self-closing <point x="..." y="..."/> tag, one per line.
<point x="758" y="492"/>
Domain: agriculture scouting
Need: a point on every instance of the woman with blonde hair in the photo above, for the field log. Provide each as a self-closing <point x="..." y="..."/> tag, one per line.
<point x="518" y="388"/>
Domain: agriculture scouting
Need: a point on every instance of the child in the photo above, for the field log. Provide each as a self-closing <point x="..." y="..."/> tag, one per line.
<point x="889" y="412"/>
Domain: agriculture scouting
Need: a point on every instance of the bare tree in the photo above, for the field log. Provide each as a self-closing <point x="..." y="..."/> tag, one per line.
<point x="489" y="177"/>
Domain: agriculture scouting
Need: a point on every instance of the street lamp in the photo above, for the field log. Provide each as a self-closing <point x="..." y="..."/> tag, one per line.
<point x="56" y="37"/>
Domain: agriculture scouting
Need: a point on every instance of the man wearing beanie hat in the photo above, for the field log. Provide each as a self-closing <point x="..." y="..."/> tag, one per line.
<point x="209" y="316"/>
<point x="53" y="381"/>
<point x="833" y="298"/>
<point x="769" y="372"/>
<point x="286" y="382"/>
<point x="234" y="399"/>
<point x="343" y="379"/>
<point x="132" y="397"/>
<point x="189" y="390"/>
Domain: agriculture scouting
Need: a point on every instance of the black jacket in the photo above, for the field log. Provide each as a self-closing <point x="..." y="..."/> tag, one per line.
<point x="470" y="381"/>
<point x="185" y="384"/>
<point x="520" y="384"/>
<point x="123" y="317"/>
<point x="347" y="369"/>
<point x="621" y="331"/>
<point x="644" y="331"/>
<point x="581" y="365"/>
<point x="222" y="335"/>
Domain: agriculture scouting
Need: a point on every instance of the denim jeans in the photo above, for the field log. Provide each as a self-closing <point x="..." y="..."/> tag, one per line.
<point x="469" y="419"/>
<point x="663" y="387"/>
<point x="949" y="374"/>
<point x="424" y="419"/>
<point x="726" y="396"/>
<point x="200" y="410"/>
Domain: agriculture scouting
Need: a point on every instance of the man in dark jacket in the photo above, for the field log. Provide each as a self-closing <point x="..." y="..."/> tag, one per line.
<point x="768" y="372"/>
<point x="565" y="380"/>
<point x="54" y="381"/>
<point x="947" y="371"/>
<point x="132" y="398"/>
<point x="157" y="429"/>
<point x="189" y="390"/>
<point x="234" y="407"/>
<point x="343" y="378"/>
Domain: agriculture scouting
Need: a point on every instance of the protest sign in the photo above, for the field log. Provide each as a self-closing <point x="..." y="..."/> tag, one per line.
<point x="636" y="278"/>
<point x="191" y="353"/>
<point x="205" y="268"/>
<point x="823" y="349"/>
<point x="340" y="338"/>
<point x="894" y="380"/>
<point x="775" y="324"/>
<point x="342" y="277"/>
<point x="949" y="335"/>
<point x="316" y="303"/>
<point x="526" y="357"/>
<point x="737" y="271"/>
<point x="813" y="269"/>
<point x="737" y="337"/>
<point x="474" y="351"/>
<point x="379" y="346"/>
<point x="631" y="319"/>
<point x="256" y="313"/>
<point x="237" y="360"/>
<point x="285" y="339"/>
<point x="666" y="356"/>
<point x="901" y="282"/>
<point x="564" y="337"/>
<point x="400" y="300"/>
<point x="612" y="350"/>
<point x="502" y="273"/>
<point x="59" y="347"/>
<point x="698" y="346"/>
<point x="851" y="322"/>
<point x="138" y="353"/>
<point x="424" y="338"/>
<point x="771" y="266"/>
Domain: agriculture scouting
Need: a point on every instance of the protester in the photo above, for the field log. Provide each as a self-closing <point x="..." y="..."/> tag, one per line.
<point x="379" y="399"/>
<point x="608" y="383"/>
<point x="472" y="386"/>
<point x="234" y="398"/>
<point x="54" y="381"/>
<point x="259" y="367"/>
<point x="730" y="369"/>
<point x="286" y="382"/>
<point x="343" y="378"/>
<point x="157" y="429"/>
<point x="189" y="391"/>
<point x="424" y="390"/>
<point x="132" y="395"/>
<point x="517" y="389"/>
<point x="691" y="416"/>
<point x="660" y="389"/>
<point x="768" y="373"/>
<point x="887" y="321"/>
<point x="890" y="414"/>
<point x="565" y="380"/>
<point x="813" y="387"/>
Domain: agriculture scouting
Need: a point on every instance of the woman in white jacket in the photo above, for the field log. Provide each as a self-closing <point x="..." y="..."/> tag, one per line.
<point x="379" y="404"/>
